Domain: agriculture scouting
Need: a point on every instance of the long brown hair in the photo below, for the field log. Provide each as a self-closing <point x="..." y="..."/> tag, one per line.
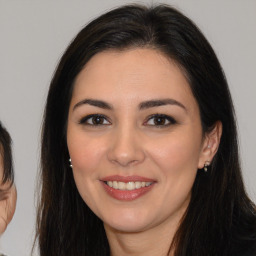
<point x="220" y="219"/>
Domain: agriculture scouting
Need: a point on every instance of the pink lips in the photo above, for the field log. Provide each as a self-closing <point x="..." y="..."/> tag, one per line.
<point x="126" y="195"/>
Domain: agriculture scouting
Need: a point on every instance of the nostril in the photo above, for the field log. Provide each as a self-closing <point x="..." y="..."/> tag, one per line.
<point x="124" y="162"/>
<point x="126" y="159"/>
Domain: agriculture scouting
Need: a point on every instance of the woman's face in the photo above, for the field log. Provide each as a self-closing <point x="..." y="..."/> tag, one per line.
<point x="135" y="139"/>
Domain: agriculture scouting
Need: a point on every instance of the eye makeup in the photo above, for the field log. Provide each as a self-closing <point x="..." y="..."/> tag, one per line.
<point x="94" y="120"/>
<point x="160" y="120"/>
<point x="154" y="120"/>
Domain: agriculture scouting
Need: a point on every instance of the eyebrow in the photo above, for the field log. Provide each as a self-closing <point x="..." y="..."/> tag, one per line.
<point x="160" y="102"/>
<point x="92" y="102"/>
<point x="142" y="105"/>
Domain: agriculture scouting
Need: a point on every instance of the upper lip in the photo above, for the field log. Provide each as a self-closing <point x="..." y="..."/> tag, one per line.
<point x="126" y="178"/>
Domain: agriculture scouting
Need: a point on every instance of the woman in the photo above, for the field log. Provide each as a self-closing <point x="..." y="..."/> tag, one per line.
<point x="8" y="194"/>
<point x="139" y="146"/>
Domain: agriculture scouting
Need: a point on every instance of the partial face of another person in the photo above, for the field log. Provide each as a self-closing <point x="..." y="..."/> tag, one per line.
<point x="8" y="198"/>
<point x="135" y="139"/>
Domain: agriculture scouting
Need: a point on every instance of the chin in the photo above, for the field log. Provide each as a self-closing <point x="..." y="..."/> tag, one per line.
<point x="127" y="227"/>
<point x="128" y="222"/>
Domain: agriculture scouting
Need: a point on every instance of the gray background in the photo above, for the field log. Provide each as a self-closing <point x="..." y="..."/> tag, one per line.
<point x="34" y="34"/>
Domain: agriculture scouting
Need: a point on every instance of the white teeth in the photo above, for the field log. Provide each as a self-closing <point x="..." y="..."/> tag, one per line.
<point x="115" y="184"/>
<point x="137" y="184"/>
<point x="129" y="185"/>
<point x="121" y="185"/>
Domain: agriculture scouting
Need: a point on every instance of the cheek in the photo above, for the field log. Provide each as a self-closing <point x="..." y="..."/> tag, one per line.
<point x="177" y="155"/>
<point x="84" y="151"/>
<point x="86" y="154"/>
<point x="176" y="160"/>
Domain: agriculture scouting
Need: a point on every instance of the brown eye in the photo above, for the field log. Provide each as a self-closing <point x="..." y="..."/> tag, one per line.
<point x="94" y="120"/>
<point x="160" y="120"/>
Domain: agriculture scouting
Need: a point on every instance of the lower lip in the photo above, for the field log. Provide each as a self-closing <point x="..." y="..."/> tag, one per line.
<point x="127" y="195"/>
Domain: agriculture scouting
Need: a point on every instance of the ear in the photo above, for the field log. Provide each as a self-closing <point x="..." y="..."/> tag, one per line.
<point x="210" y="145"/>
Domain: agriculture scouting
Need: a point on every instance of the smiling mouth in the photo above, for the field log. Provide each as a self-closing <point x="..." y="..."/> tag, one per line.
<point x="127" y="186"/>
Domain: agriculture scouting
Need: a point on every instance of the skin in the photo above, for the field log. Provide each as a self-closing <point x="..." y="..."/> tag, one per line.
<point x="8" y="197"/>
<point x="128" y="142"/>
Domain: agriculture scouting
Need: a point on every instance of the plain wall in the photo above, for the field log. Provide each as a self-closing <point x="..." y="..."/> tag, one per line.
<point x="34" y="34"/>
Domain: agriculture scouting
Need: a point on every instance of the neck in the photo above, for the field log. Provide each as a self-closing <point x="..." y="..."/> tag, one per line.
<point x="155" y="241"/>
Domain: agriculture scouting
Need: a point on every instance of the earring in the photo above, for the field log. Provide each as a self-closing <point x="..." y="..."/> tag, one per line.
<point x="70" y="164"/>
<point x="206" y="165"/>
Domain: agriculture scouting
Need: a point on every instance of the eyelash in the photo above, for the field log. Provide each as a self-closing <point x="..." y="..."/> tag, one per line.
<point x="85" y="119"/>
<point x="169" y="119"/>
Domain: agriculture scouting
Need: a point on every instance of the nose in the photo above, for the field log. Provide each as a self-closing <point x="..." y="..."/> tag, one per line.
<point x="126" y="148"/>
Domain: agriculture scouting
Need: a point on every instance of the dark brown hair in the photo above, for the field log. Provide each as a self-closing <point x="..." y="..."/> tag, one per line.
<point x="220" y="219"/>
<point x="6" y="154"/>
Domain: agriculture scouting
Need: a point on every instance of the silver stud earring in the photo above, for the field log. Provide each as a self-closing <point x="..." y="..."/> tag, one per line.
<point x="206" y="165"/>
<point x="70" y="164"/>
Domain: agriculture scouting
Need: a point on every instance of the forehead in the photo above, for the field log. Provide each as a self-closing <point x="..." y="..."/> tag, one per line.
<point x="136" y="73"/>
